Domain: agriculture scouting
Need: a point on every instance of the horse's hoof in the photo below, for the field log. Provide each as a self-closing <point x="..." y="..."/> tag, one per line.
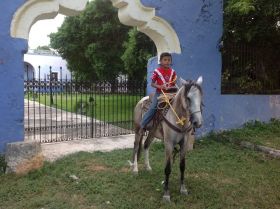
<point x="166" y="198"/>
<point x="148" y="168"/>
<point x="135" y="171"/>
<point x="184" y="192"/>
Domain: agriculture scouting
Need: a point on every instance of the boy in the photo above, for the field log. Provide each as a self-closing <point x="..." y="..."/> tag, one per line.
<point x="163" y="79"/>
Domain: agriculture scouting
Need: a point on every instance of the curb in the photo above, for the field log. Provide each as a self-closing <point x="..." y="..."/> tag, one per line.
<point x="267" y="150"/>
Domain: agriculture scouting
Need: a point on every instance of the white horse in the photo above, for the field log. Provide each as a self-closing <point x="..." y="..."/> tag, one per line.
<point x="174" y="128"/>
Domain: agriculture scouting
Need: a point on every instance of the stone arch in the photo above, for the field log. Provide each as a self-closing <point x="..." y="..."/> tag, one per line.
<point x="133" y="13"/>
<point x="34" y="10"/>
<point x="130" y="12"/>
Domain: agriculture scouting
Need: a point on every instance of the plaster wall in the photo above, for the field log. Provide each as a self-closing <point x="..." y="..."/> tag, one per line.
<point x="11" y="77"/>
<point x="199" y="26"/>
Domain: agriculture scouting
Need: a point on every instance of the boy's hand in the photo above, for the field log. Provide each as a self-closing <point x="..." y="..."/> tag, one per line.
<point x="165" y="87"/>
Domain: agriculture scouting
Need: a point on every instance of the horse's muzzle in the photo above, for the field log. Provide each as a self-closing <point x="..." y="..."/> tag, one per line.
<point x="196" y="121"/>
<point x="196" y="124"/>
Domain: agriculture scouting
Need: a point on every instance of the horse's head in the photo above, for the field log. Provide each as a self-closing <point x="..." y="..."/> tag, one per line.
<point x="193" y="100"/>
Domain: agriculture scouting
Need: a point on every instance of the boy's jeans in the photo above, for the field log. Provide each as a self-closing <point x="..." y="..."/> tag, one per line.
<point x="152" y="110"/>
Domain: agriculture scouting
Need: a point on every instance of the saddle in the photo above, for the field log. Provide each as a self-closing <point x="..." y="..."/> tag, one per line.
<point x="162" y="109"/>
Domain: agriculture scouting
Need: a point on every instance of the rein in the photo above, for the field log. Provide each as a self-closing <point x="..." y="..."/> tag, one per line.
<point x="175" y="128"/>
<point x="179" y="120"/>
<point x="182" y="120"/>
<point x="195" y="112"/>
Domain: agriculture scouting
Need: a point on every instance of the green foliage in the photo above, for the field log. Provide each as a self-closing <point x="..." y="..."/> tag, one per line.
<point x="46" y="48"/>
<point x="3" y="164"/>
<point x="240" y="7"/>
<point x="138" y="49"/>
<point x="252" y="27"/>
<point x="92" y="42"/>
<point x="253" y="21"/>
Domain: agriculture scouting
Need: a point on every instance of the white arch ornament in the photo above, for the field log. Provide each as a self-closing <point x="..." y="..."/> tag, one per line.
<point x="130" y="12"/>
<point x="34" y="10"/>
<point x="133" y="13"/>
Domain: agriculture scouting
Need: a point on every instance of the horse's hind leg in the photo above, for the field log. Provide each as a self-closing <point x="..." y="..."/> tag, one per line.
<point x="183" y="150"/>
<point x="136" y="150"/>
<point x="147" y="144"/>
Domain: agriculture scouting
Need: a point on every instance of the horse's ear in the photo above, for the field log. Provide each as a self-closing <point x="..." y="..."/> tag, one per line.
<point x="181" y="82"/>
<point x="199" y="80"/>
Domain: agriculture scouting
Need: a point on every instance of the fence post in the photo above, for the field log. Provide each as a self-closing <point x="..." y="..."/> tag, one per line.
<point x="51" y="96"/>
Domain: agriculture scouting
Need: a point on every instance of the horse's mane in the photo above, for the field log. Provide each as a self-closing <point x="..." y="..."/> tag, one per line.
<point x="185" y="88"/>
<point x="191" y="83"/>
<point x="188" y="85"/>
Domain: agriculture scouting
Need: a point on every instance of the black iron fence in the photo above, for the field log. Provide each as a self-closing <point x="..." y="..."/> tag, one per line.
<point x="249" y="69"/>
<point x="60" y="110"/>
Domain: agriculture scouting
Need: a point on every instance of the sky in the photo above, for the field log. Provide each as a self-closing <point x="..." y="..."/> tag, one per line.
<point x="38" y="35"/>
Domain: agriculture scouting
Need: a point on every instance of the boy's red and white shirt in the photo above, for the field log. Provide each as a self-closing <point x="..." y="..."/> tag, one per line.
<point x="164" y="76"/>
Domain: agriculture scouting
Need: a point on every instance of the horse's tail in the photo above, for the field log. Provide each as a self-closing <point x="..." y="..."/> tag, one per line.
<point x="138" y="111"/>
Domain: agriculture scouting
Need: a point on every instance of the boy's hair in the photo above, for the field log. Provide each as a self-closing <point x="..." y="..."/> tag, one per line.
<point x="165" y="54"/>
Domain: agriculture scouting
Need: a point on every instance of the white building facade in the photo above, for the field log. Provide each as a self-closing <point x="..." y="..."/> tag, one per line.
<point x="43" y="65"/>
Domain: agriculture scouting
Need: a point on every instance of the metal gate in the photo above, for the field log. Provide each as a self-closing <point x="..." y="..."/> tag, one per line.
<point x="61" y="110"/>
<point x="249" y="69"/>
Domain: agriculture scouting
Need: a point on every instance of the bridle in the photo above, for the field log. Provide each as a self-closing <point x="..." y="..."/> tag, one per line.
<point x="189" y="127"/>
<point x="188" y="87"/>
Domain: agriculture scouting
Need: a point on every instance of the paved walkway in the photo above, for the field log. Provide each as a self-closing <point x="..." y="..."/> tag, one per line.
<point x="53" y="151"/>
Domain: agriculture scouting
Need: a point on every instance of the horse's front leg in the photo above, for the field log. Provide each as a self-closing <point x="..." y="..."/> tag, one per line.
<point x="183" y="150"/>
<point x="167" y="171"/>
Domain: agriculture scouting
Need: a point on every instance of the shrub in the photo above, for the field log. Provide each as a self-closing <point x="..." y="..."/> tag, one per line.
<point x="3" y="164"/>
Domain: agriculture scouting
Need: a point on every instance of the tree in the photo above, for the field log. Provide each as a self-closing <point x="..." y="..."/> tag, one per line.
<point x="91" y="43"/>
<point x="252" y="45"/>
<point x="45" y="48"/>
<point x="252" y="21"/>
<point x="138" y="49"/>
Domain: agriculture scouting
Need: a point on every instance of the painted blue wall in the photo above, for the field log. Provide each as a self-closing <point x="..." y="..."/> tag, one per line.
<point x="11" y="77"/>
<point x="198" y="23"/>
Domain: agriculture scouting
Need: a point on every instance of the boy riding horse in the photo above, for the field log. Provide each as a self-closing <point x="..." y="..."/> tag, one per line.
<point x="163" y="79"/>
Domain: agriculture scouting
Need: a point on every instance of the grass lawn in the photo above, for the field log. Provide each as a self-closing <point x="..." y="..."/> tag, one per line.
<point x="266" y="134"/>
<point x="219" y="175"/>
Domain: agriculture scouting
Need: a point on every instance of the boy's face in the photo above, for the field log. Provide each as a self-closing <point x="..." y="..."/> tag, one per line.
<point x="165" y="62"/>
